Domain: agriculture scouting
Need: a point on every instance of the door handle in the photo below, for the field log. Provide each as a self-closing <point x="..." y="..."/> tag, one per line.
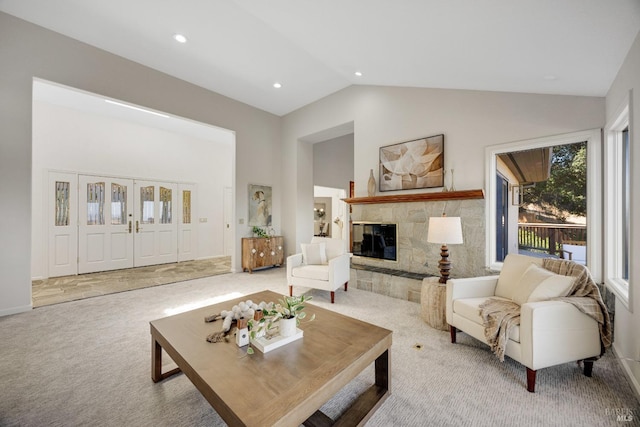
<point x="137" y="226"/>
<point x="129" y="227"/>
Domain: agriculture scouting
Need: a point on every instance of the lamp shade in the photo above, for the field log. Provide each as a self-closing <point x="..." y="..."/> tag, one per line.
<point x="445" y="230"/>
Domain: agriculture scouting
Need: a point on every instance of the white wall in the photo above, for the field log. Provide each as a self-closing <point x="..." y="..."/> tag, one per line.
<point x="29" y="51"/>
<point x="627" y="339"/>
<point x="70" y="140"/>
<point x="333" y="162"/>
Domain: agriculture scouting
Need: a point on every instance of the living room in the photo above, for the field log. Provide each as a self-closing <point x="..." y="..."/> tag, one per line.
<point x="276" y="150"/>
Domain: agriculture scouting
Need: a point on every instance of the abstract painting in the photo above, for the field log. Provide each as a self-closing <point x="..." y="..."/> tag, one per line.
<point x="412" y="164"/>
<point x="259" y="205"/>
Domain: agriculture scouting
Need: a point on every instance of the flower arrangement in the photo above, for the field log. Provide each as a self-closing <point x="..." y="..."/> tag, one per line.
<point x="286" y="308"/>
<point x="261" y="232"/>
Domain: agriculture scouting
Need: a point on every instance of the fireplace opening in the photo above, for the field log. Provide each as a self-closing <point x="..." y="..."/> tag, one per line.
<point x="374" y="240"/>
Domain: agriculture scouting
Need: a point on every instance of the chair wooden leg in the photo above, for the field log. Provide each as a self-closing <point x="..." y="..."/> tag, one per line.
<point x="345" y="286"/>
<point x="452" y="332"/>
<point x="333" y="295"/>
<point x="531" y="380"/>
<point x="290" y="290"/>
<point x="588" y="366"/>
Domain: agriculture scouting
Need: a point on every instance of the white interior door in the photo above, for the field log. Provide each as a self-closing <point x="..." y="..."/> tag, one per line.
<point x="156" y="232"/>
<point x="105" y="227"/>
<point x="62" y="223"/>
<point x="187" y="244"/>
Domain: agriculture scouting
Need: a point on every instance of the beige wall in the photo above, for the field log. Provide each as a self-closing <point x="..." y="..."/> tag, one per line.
<point x="627" y="339"/>
<point x="28" y="51"/>
<point x="333" y="162"/>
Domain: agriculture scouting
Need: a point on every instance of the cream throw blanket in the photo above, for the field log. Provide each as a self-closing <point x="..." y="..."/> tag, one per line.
<point x="499" y="316"/>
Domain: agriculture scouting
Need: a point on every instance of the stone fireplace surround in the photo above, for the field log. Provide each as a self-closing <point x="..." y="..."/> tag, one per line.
<point x="416" y="257"/>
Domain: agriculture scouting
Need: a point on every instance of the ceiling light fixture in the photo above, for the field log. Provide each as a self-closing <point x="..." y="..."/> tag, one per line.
<point x="135" y="108"/>
<point x="550" y="77"/>
<point x="358" y="73"/>
<point x="277" y="85"/>
<point x="179" y="38"/>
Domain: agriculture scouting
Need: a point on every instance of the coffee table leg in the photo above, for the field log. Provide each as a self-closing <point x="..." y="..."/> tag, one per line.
<point x="382" y="371"/>
<point x="156" y="363"/>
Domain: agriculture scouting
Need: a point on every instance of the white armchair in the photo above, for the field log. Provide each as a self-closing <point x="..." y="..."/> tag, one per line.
<point x="550" y="332"/>
<point x="323" y="264"/>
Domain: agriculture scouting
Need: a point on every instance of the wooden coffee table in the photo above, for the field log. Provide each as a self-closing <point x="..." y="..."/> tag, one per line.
<point x="286" y="386"/>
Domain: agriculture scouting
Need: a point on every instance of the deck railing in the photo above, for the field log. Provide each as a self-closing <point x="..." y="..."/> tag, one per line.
<point x="548" y="238"/>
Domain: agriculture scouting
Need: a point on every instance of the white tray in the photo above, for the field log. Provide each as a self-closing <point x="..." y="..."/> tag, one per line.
<point x="266" y="345"/>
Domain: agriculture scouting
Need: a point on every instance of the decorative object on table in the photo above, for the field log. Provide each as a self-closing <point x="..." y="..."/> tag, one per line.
<point x="371" y="185"/>
<point x="243" y="310"/>
<point x="260" y="205"/>
<point x="444" y="230"/>
<point x="259" y="231"/>
<point x="242" y="335"/>
<point x="412" y="164"/>
<point x="286" y="316"/>
<point x="444" y="183"/>
<point x="453" y="186"/>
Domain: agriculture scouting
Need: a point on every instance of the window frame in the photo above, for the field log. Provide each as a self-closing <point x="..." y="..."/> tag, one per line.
<point x="593" y="137"/>
<point x="614" y="206"/>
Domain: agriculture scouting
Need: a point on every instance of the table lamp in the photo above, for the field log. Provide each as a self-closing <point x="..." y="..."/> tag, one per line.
<point x="444" y="230"/>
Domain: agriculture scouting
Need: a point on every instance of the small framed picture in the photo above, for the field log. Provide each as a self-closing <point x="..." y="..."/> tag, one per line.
<point x="259" y="205"/>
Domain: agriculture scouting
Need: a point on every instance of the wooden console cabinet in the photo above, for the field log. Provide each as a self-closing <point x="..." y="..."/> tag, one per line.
<point x="258" y="252"/>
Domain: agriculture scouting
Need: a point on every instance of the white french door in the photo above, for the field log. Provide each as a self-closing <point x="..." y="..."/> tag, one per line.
<point x="62" y="224"/>
<point x="105" y="223"/>
<point x="99" y="223"/>
<point x="155" y="229"/>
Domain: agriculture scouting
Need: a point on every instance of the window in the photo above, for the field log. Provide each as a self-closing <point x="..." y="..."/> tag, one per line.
<point x="617" y="207"/>
<point x="626" y="202"/>
<point x="495" y="158"/>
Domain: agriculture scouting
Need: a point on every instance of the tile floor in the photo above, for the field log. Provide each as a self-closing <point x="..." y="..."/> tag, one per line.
<point x="69" y="288"/>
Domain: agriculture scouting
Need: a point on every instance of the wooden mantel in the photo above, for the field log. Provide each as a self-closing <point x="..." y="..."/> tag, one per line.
<point x="417" y="197"/>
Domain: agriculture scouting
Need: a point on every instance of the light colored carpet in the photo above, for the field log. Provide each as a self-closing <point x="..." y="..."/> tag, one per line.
<point x="88" y="363"/>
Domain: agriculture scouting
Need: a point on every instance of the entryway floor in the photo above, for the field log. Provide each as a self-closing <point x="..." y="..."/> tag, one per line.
<point x="69" y="288"/>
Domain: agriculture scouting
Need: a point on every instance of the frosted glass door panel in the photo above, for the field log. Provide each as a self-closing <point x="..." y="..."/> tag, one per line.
<point x="118" y="204"/>
<point x="165" y="205"/>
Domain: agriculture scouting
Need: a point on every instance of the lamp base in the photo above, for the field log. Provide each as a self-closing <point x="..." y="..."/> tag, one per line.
<point x="444" y="264"/>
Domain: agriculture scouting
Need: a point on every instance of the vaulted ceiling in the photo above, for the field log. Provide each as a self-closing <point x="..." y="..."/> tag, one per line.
<point x="240" y="48"/>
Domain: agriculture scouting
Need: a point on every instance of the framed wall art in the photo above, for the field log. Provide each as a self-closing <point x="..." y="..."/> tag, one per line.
<point x="412" y="164"/>
<point x="259" y="205"/>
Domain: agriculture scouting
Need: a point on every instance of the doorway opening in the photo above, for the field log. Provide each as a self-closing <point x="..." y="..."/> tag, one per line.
<point x="119" y="153"/>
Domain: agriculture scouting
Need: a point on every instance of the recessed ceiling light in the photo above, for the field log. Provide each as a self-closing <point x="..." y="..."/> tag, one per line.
<point x="277" y="85"/>
<point x="179" y="38"/>
<point x="358" y="73"/>
<point x="550" y="77"/>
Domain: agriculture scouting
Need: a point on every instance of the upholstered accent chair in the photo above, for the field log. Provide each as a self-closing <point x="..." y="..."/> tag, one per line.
<point x="552" y="330"/>
<point x="323" y="264"/>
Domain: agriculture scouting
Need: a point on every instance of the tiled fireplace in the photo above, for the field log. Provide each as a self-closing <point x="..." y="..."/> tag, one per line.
<point x="416" y="258"/>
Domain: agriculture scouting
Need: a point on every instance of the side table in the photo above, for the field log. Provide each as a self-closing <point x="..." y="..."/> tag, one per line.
<point x="433" y="298"/>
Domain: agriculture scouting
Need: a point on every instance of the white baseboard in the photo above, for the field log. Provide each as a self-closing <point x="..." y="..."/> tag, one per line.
<point x="16" y="310"/>
<point x="626" y="366"/>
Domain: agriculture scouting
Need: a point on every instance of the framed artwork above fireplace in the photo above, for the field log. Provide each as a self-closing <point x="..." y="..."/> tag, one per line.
<point x="412" y="164"/>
